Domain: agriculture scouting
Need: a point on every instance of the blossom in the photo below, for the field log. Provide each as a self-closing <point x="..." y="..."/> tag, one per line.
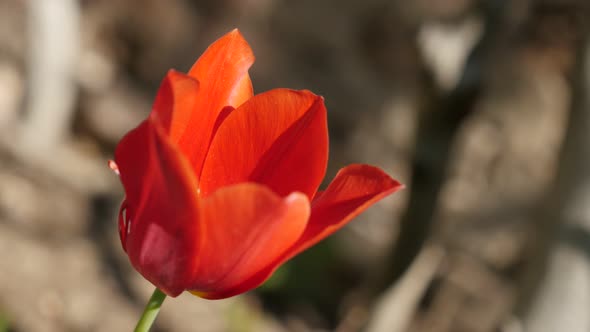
<point x="222" y="185"/>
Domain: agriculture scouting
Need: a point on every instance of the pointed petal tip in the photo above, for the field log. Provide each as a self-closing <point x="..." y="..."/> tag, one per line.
<point x="370" y="172"/>
<point x="174" y="76"/>
<point x="174" y="102"/>
<point x="113" y="166"/>
<point x="237" y="33"/>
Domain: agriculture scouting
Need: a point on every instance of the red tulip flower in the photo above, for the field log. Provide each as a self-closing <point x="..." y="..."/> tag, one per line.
<point x="222" y="185"/>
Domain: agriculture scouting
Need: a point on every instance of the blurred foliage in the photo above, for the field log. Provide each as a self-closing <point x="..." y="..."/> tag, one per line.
<point x="311" y="284"/>
<point x="4" y="323"/>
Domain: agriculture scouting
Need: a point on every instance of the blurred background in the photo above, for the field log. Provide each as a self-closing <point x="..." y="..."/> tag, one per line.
<point x="481" y="107"/>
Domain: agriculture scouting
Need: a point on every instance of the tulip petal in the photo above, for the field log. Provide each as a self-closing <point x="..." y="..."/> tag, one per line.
<point x="278" y="138"/>
<point x="245" y="227"/>
<point x="124" y="223"/>
<point x="175" y="103"/>
<point x="222" y="72"/>
<point x="353" y="190"/>
<point x="161" y="215"/>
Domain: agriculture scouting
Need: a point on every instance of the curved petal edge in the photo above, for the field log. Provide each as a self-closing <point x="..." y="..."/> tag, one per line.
<point x="278" y="138"/>
<point x="244" y="228"/>
<point x="354" y="189"/>
<point x="159" y="218"/>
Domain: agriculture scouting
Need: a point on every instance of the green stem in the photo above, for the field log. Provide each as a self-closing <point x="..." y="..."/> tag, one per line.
<point x="151" y="311"/>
